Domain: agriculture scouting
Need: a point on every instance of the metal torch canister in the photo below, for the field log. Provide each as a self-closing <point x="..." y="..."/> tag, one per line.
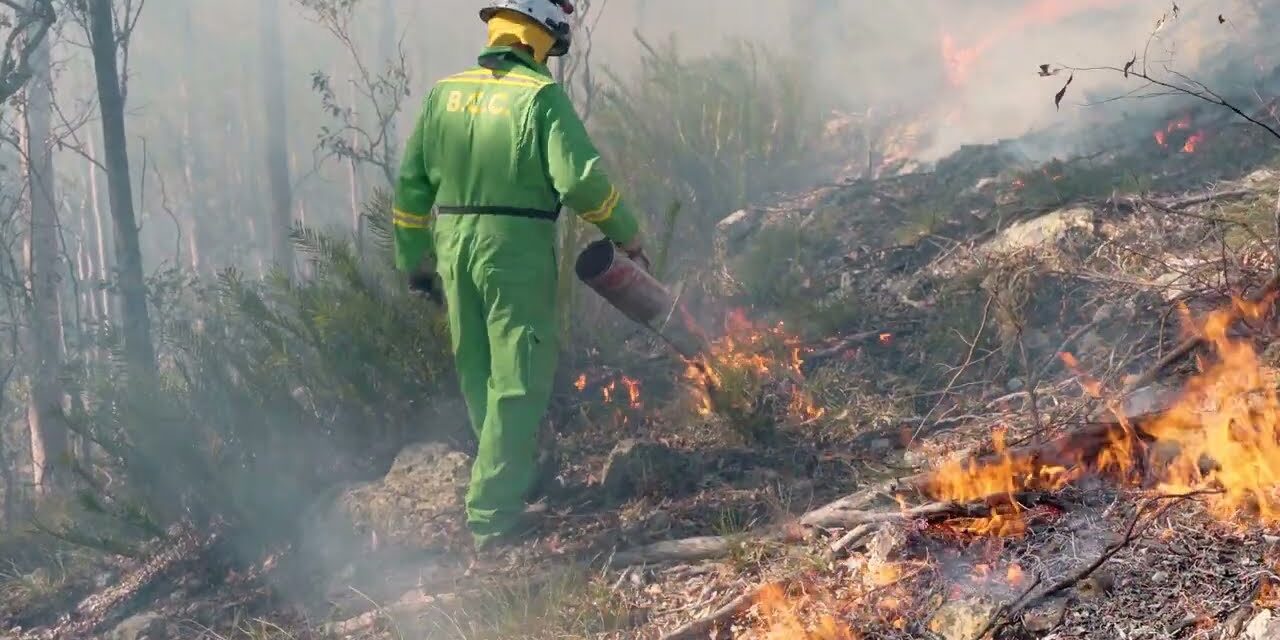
<point x="639" y="296"/>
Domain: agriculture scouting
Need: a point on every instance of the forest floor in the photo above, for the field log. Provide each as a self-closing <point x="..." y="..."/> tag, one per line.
<point x="1033" y="400"/>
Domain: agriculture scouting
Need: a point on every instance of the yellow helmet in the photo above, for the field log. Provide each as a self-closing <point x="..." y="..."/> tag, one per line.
<point x="553" y="15"/>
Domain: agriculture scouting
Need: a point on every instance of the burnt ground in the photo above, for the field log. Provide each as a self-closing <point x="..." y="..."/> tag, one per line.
<point x="930" y="311"/>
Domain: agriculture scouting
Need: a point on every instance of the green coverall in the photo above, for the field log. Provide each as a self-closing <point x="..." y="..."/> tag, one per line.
<point x="496" y="150"/>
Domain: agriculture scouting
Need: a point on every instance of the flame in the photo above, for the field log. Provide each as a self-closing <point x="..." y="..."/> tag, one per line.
<point x="1226" y="425"/>
<point x="783" y="620"/>
<point x="900" y="142"/>
<point x="959" y="61"/>
<point x="1222" y="435"/>
<point x="1190" y="145"/>
<point x="748" y="356"/>
<point x="633" y="392"/>
<point x="1183" y="123"/>
<point x="1014" y="575"/>
<point x="886" y="338"/>
<point x="581" y="383"/>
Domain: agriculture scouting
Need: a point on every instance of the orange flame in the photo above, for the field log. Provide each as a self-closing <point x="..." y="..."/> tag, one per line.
<point x="756" y="353"/>
<point x="1192" y="142"/>
<point x="959" y="61"/>
<point x="633" y="392"/>
<point x="581" y="383"/>
<point x="1180" y="124"/>
<point x="1221" y="435"/>
<point x="782" y="618"/>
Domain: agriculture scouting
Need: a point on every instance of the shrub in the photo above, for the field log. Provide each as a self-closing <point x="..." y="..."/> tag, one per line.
<point x="270" y="392"/>
<point x="711" y="133"/>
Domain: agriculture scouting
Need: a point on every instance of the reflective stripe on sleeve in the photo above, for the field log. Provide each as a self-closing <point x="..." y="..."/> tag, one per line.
<point x="406" y="220"/>
<point x="606" y="208"/>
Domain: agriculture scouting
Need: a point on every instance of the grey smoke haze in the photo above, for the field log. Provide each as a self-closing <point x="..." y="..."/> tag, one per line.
<point x="886" y="56"/>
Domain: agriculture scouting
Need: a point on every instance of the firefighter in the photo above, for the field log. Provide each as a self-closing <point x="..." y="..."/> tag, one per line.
<point x="496" y="151"/>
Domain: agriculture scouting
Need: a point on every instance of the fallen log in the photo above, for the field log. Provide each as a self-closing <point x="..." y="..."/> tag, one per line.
<point x="684" y="550"/>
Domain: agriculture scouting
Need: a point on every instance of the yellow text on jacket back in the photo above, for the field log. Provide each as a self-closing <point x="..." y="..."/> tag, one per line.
<point x="478" y="103"/>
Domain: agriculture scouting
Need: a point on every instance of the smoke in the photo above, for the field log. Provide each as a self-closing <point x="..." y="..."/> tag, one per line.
<point x="968" y="69"/>
<point x="966" y="72"/>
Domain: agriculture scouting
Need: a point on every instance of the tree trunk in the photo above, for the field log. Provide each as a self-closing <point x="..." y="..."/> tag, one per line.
<point x="135" y="320"/>
<point x="49" y="441"/>
<point x="100" y="246"/>
<point x="192" y="171"/>
<point x="353" y="179"/>
<point x="277" y="136"/>
<point x="390" y="56"/>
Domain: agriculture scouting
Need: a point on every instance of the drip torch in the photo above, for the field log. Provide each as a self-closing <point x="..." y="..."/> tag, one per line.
<point x="640" y="297"/>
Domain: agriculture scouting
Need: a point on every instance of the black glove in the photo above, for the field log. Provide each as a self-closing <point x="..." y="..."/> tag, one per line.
<point x="638" y="256"/>
<point x="427" y="283"/>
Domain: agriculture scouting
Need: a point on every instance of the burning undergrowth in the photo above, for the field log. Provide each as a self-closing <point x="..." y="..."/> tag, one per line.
<point x="750" y="381"/>
<point x="1107" y="490"/>
<point x="752" y="377"/>
<point x="1221" y="436"/>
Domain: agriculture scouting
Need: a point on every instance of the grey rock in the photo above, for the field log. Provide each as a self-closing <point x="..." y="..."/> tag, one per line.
<point x="885" y="550"/>
<point x="735" y="228"/>
<point x="144" y="626"/>
<point x="961" y="619"/>
<point x="1149" y="400"/>
<point x="1046" y="229"/>
<point x="412" y="505"/>
<point x="1264" y="626"/>
<point x="1046" y="616"/>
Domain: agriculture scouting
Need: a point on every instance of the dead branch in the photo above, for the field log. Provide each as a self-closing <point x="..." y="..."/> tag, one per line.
<point x="830" y="516"/>
<point x="703" y="626"/>
<point x="844" y="344"/>
<point x="1201" y="198"/>
<point x="1271" y="288"/>
<point x="1005" y="616"/>
<point x="849" y="539"/>
<point x="686" y="550"/>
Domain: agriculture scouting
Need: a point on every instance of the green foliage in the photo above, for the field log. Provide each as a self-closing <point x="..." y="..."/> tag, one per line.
<point x="270" y="392"/>
<point x="713" y="133"/>
<point x="566" y="604"/>
<point x="774" y="272"/>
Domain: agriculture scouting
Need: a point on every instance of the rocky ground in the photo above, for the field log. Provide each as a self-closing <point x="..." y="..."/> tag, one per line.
<point x="928" y="313"/>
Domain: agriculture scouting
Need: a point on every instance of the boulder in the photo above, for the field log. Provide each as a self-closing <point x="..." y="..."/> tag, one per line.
<point x="1046" y="229"/>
